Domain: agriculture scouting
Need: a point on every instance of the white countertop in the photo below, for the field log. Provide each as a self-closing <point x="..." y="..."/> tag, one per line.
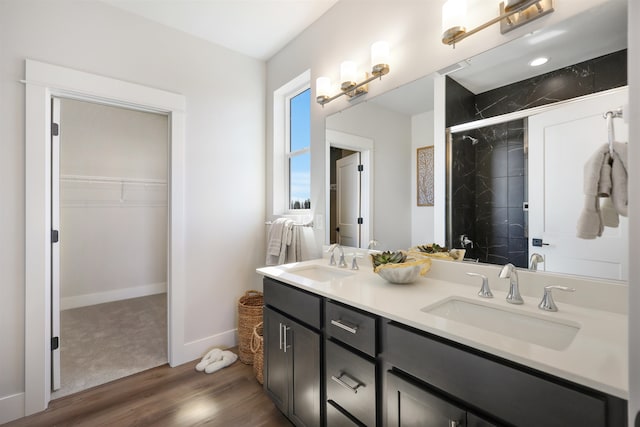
<point x="597" y="357"/>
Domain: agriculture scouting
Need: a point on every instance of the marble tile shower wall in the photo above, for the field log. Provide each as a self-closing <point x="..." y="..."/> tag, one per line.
<point x="489" y="177"/>
<point x="489" y="188"/>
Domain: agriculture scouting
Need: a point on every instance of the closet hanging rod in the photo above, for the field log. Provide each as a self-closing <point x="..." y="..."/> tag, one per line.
<point x="309" y="224"/>
<point x="103" y="179"/>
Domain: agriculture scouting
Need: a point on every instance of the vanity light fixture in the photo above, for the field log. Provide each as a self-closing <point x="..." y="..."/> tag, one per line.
<point x="348" y="76"/>
<point x="513" y="14"/>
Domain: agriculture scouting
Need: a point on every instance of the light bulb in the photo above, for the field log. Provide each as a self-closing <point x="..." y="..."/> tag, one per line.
<point x="454" y="16"/>
<point x="379" y="56"/>
<point x="348" y="74"/>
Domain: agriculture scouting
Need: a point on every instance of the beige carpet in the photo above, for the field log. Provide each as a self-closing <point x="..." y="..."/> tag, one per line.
<point x="104" y="342"/>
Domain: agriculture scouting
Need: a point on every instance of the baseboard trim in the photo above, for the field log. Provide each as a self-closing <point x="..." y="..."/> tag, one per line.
<point x="116" y="295"/>
<point x="196" y="349"/>
<point x="11" y="407"/>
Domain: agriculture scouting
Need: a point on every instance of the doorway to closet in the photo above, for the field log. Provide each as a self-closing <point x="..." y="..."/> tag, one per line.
<point x="109" y="269"/>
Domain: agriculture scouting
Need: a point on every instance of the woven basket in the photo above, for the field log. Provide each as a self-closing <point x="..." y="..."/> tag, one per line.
<point x="257" y="347"/>
<point x="249" y="315"/>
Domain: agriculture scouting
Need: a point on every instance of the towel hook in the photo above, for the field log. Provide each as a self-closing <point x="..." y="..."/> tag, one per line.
<point x="610" y="115"/>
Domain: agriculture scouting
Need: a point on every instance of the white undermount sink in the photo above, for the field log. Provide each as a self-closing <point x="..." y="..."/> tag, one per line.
<point x="554" y="334"/>
<point x="320" y="273"/>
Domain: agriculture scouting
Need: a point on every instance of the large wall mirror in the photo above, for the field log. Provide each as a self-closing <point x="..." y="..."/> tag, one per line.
<point x="391" y="127"/>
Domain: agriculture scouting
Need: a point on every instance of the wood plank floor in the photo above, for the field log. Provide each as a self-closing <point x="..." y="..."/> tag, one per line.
<point x="166" y="396"/>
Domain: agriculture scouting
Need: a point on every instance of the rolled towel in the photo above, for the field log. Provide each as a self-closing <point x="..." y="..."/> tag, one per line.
<point x="227" y="359"/>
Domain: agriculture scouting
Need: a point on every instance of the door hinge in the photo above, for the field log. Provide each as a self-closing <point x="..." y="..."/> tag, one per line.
<point x="55" y="236"/>
<point x="360" y="168"/>
<point x="359" y="220"/>
<point x="55" y="343"/>
<point x="55" y="129"/>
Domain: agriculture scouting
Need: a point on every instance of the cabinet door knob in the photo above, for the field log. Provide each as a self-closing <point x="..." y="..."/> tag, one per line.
<point x="340" y="381"/>
<point x="345" y="325"/>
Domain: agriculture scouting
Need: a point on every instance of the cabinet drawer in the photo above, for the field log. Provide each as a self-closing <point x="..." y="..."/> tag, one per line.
<point x="351" y="383"/>
<point x="335" y="418"/>
<point x="517" y="396"/>
<point x="352" y="327"/>
<point x="295" y="302"/>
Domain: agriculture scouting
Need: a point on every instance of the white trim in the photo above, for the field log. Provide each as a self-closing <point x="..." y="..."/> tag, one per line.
<point x="11" y="407"/>
<point x="42" y="82"/>
<point x="76" y="301"/>
<point x="365" y="147"/>
<point x="196" y="349"/>
<point x="280" y="142"/>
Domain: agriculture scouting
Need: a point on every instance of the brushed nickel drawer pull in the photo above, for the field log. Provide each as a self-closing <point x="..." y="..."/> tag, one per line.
<point x="345" y="325"/>
<point x="344" y="384"/>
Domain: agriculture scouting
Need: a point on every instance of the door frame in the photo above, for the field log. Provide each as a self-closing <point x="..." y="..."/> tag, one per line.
<point x="340" y="189"/>
<point x="42" y="82"/>
<point x="365" y="147"/>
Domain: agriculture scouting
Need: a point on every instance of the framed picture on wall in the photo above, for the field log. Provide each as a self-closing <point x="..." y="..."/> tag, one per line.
<point x="425" y="176"/>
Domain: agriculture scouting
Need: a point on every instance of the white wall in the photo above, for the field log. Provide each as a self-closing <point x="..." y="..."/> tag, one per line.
<point x="391" y="135"/>
<point x="113" y="203"/>
<point x="224" y="156"/>
<point x="422" y="130"/>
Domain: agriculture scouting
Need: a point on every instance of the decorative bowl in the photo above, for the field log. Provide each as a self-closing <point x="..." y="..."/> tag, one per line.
<point x="406" y="272"/>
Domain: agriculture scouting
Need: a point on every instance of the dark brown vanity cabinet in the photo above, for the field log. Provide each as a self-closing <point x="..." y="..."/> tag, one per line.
<point x="327" y="363"/>
<point x="292" y="352"/>
<point x="468" y="382"/>
<point x="412" y="405"/>
<point x="350" y="369"/>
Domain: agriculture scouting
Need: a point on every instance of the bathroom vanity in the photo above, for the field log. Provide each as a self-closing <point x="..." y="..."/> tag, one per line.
<point x="346" y="348"/>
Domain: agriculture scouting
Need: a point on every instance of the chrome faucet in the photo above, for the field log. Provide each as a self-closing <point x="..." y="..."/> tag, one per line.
<point x="509" y="271"/>
<point x="534" y="260"/>
<point x="332" y="261"/>
<point x="465" y="241"/>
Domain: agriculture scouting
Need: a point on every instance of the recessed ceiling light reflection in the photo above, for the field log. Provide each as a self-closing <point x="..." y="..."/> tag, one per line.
<point x="538" y="61"/>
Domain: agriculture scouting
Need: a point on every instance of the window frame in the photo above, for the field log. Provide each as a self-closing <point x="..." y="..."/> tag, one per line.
<point x="282" y="143"/>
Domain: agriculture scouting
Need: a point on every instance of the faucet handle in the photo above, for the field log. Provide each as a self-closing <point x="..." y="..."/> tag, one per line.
<point x="484" y="292"/>
<point x="342" y="263"/>
<point x="332" y="259"/>
<point x="354" y="264"/>
<point x="547" y="303"/>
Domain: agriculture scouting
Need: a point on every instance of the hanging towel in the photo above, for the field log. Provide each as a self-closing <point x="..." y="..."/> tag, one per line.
<point x="619" y="178"/>
<point x="276" y="241"/>
<point x="294" y="250"/>
<point x="590" y="223"/>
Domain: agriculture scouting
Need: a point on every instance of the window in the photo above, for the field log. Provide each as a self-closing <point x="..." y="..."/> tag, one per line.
<point x="299" y="136"/>
<point x="292" y="147"/>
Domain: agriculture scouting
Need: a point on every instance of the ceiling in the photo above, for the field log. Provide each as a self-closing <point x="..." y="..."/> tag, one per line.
<point x="256" y="28"/>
